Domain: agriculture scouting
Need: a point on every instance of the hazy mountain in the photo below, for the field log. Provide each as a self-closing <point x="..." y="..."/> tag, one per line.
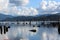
<point x="51" y="17"/>
<point x="2" y="16"/>
<point x="20" y="18"/>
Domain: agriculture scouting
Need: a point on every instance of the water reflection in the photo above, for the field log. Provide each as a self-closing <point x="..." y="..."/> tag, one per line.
<point x="24" y="33"/>
<point x="17" y="33"/>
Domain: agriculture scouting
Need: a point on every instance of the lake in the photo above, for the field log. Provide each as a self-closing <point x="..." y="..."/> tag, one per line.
<point x="19" y="32"/>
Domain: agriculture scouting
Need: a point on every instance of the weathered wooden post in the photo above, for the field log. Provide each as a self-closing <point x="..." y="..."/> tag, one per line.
<point x="4" y="29"/>
<point x="0" y="29"/>
<point x="59" y="28"/>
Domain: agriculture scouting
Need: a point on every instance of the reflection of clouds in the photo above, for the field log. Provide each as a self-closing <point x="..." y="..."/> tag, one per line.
<point x="49" y="34"/>
<point x="19" y="2"/>
<point x="23" y="33"/>
<point x="44" y="36"/>
<point x="3" y="37"/>
<point x="17" y="33"/>
<point x="24" y="39"/>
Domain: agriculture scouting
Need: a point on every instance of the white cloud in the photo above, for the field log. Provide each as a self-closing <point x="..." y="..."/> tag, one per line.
<point x="28" y="12"/>
<point x="43" y="5"/>
<point x="3" y="4"/>
<point x="52" y="5"/>
<point x="17" y="8"/>
<point x="21" y="11"/>
<point x="19" y="2"/>
<point x="49" y="7"/>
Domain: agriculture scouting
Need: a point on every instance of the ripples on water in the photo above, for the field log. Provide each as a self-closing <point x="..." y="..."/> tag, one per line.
<point x="23" y="33"/>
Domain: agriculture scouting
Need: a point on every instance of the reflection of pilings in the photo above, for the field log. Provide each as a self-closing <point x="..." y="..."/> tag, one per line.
<point x="52" y="24"/>
<point x="38" y="25"/>
<point x="59" y="28"/>
<point x="42" y="23"/>
<point x="23" y="24"/>
<point x="30" y="23"/>
<point x="57" y="24"/>
<point x="33" y="25"/>
<point x="4" y="29"/>
<point x="0" y="29"/>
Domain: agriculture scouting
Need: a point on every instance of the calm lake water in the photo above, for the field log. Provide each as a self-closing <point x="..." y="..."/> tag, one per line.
<point x="22" y="33"/>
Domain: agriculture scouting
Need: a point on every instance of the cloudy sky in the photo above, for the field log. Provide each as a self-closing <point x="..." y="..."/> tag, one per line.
<point x="29" y="7"/>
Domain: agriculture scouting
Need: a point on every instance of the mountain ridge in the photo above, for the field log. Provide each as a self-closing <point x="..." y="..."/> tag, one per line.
<point x="51" y="17"/>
